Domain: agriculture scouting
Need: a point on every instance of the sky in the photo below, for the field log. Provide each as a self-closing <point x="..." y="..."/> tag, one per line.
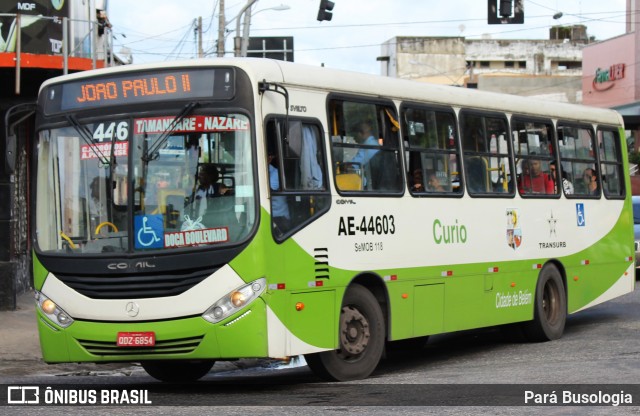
<point x="163" y="30"/>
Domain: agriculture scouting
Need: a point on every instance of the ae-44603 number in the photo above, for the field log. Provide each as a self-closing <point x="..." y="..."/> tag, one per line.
<point x="367" y="225"/>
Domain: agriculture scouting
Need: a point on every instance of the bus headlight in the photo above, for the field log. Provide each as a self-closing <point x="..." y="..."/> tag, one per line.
<point x="234" y="301"/>
<point x="54" y="312"/>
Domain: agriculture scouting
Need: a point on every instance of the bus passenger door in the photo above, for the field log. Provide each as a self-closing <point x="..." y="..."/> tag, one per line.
<point x="297" y="175"/>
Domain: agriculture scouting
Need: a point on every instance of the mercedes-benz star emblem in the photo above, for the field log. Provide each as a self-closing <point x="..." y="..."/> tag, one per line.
<point x="132" y="309"/>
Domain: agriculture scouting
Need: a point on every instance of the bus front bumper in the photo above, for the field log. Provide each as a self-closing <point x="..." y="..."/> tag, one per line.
<point x="242" y="335"/>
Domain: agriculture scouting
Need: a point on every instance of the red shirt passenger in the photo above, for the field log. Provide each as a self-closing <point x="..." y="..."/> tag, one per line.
<point x="533" y="180"/>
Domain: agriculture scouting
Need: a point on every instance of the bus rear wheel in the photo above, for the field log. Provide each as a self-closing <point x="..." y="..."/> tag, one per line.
<point x="361" y="339"/>
<point x="550" y="309"/>
<point x="177" y="371"/>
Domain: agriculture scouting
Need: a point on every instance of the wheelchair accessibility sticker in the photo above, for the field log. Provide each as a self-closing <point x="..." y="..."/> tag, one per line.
<point x="149" y="231"/>
<point x="580" y="216"/>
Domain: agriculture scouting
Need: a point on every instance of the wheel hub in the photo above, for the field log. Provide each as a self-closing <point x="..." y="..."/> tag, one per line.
<point x="354" y="331"/>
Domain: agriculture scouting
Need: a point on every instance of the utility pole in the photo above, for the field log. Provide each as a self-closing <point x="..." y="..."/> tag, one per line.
<point x="246" y="24"/>
<point x="221" y="26"/>
<point x="237" y="40"/>
<point x="200" y="51"/>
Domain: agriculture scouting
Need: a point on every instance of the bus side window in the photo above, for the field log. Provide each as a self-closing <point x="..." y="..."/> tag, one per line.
<point x="611" y="163"/>
<point x="486" y="151"/>
<point x="576" y="144"/>
<point x="433" y="156"/>
<point x="365" y="147"/>
<point x="534" y="146"/>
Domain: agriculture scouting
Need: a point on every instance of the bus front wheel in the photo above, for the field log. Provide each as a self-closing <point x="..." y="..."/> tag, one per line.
<point x="361" y="339"/>
<point x="550" y="308"/>
<point x="177" y="371"/>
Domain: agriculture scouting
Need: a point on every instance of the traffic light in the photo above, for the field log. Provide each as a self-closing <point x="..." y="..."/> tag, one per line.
<point x="324" y="13"/>
<point x="505" y="8"/>
<point x="505" y="12"/>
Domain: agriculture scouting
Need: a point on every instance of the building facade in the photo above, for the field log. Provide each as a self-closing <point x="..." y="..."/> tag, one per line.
<point x="39" y="39"/>
<point x="612" y="80"/>
<point x="612" y="74"/>
<point x="550" y="69"/>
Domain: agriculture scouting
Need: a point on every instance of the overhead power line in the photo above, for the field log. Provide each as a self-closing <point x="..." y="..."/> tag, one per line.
<point x="167" y="36"/>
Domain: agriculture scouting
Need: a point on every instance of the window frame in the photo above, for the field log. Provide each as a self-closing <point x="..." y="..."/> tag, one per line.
<point x="293" y="193"/>
<point x="573" y="160"/>
<point x="462" y="115"/>
<point x="408" y="149"/>
<point x="552" y="157"/>
<point x="380" y="104"/>
<point x="619" y="161"/>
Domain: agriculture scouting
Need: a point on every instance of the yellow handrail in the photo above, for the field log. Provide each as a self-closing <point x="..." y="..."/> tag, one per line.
<point x="66" y="237"/>
<point x="102" y="224"/>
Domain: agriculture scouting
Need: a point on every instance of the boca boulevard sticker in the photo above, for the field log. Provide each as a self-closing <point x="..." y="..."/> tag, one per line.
<point x="196" y="237"/>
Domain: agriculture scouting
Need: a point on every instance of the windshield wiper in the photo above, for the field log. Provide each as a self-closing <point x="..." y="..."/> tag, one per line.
<point x="151" y="153"/>
<point x="85" y="135"/>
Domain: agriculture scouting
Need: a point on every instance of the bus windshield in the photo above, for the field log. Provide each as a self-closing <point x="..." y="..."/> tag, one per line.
<point x="146" y="183"/>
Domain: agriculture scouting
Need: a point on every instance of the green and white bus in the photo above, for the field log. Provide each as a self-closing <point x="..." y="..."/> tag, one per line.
<point x="344" y="212"/>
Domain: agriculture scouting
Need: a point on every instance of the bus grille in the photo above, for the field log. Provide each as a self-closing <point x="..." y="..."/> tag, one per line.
<point x="138" y="286"/>
<point x="172" y="346"/>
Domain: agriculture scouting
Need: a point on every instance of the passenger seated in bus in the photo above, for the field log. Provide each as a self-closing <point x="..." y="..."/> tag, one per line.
<point x="416" y="181"/>
<point x="281" y="219"/>
<point x="590" y="178"/>
<point x="365" y="137"/>
<point x="533" y="180"/>
<point x="433" y="183"/>
<point x="208" y="187"/>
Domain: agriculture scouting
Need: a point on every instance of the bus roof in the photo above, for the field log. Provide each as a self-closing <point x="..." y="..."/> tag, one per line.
<point x="340" y="81"/>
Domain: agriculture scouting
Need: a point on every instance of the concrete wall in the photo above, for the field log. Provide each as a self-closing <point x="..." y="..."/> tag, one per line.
<point x="415" y="57"/>
<point x="560" y="89"/>
<point x="541" y="56"/>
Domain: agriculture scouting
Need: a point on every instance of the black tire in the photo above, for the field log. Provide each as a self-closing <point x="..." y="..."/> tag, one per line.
<point x="361" y="336"/>
<point x="177" y="371"/>
<point x="550" y="308"/>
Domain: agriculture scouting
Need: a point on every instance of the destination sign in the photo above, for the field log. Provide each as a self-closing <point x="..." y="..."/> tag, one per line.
<point x="137" y="88"/>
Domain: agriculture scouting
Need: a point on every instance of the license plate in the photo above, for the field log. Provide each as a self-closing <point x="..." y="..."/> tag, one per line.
<point x="136" y="339"/>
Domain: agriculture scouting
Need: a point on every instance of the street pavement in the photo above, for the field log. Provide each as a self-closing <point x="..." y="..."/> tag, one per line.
<point x="18" y="333"/>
